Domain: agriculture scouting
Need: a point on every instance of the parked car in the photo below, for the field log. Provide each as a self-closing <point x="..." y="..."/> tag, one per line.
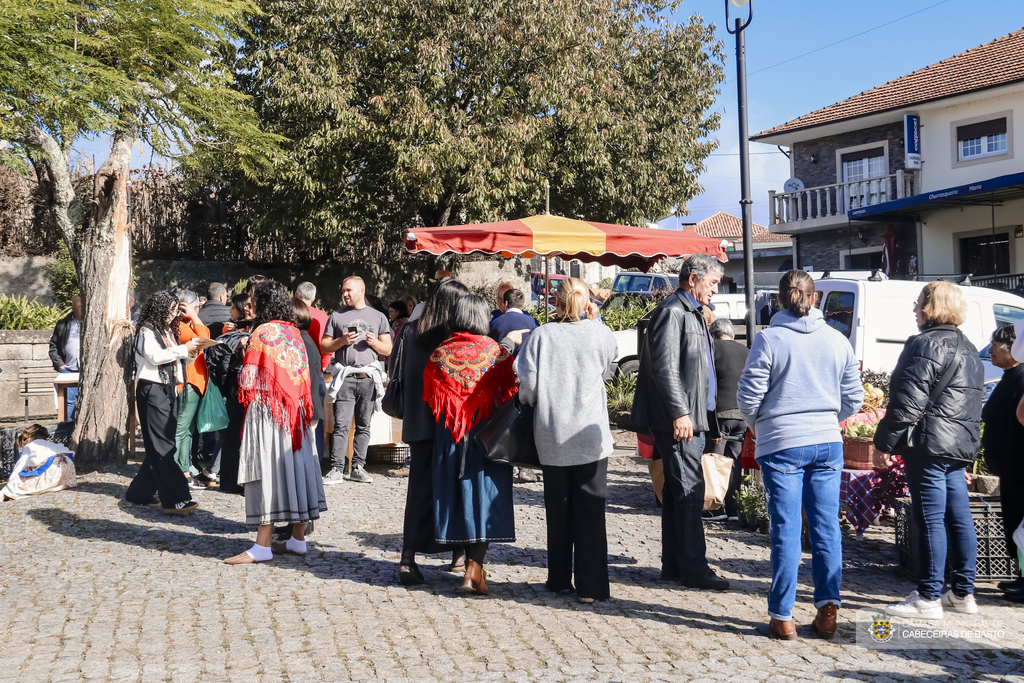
<point x="876" y="315"/>
<point x="643" y="283"/>
<point x="537" y="287"/>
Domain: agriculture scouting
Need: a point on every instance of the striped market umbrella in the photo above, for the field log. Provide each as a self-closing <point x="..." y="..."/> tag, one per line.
<point x="545" y="235"/>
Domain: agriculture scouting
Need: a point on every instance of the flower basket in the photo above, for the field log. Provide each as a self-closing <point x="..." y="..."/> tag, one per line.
<point x="859" y="453"/>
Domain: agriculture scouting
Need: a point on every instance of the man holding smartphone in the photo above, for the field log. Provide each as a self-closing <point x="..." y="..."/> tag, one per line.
<point x="358" y="336"/>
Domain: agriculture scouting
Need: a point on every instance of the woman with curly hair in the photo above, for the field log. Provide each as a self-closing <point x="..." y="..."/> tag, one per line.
<point x="160" y="360"/>
<point x="278" y="465"/>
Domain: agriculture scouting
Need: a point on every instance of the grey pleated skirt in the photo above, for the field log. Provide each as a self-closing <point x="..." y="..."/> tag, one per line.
<point x="284" y="486"/>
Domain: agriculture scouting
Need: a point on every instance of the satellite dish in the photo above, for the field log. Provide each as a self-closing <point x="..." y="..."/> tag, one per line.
<point x="793" y="185"/>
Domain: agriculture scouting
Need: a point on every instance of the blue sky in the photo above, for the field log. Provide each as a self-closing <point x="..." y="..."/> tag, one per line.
<point x="783" y="29"/>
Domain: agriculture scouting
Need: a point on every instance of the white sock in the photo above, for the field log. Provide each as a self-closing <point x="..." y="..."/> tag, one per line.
<point x="296" y="546"/>
<point x="260" y="553"/>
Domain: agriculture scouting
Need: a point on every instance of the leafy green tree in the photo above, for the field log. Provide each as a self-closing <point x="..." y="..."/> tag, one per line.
<point x="153" y="70"/>
<point x="62" y="276"/>
<point x="431" y="112"/>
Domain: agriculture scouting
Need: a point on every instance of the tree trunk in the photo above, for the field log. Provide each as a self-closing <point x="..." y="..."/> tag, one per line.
<point x="104" y="267"/>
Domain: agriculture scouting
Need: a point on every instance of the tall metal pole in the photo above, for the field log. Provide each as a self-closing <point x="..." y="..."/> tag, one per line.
<point x="745" y="201"/>
<point x="547" y="258"/>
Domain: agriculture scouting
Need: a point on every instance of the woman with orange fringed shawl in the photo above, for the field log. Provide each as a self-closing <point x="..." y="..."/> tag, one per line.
<point x="467" y="376"/>
<point x="278" y="466"/>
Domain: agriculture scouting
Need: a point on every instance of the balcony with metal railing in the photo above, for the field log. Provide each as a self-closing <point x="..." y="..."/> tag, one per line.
<point x="815" y="208"/>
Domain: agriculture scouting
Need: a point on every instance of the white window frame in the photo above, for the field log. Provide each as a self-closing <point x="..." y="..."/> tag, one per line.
<point x="883" y="187"/>
<point x="985" y="157"/>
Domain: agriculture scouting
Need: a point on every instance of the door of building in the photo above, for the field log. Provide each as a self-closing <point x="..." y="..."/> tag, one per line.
<point x="985" y="255"/>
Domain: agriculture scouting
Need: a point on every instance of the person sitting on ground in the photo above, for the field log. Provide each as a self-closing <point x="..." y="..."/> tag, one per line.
<point x="215" y="312"/>
<point x="512" y="317"/>
<point x="66" y="349"/>
<point x="43" y="467"/>
<point x="279" y="467"/>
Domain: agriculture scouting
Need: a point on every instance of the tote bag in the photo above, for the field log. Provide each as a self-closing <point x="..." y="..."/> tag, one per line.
<point x="717" y="471"/>
<point x="212" y="416"/>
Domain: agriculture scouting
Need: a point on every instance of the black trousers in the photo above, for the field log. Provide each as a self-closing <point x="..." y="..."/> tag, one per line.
<point x="732" y="448"/>
<point x="158" y="419"/>
<point x="1012" y="506"/>
<point x="231" y="444"/>
<point x="683" y="548"/>
<point x="418" y="533"/>
<point x="574" y="502"/>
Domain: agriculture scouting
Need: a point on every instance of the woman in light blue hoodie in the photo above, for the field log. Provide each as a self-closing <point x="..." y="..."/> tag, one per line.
<point x="801" y="379"/>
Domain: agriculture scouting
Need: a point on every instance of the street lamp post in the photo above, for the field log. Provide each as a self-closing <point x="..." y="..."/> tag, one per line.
<point x="745" y="200"/>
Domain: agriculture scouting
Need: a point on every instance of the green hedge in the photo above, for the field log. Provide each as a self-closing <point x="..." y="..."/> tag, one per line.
<point x="18" y="313"/>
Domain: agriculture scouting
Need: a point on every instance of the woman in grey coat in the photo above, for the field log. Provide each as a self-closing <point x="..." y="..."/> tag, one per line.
<point x="561" y="367"/>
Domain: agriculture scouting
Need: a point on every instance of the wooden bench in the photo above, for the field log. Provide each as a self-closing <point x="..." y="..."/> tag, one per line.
<point x="35" y="380"/>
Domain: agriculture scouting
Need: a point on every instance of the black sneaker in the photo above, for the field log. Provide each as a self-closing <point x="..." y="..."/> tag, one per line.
<point x="706" y="581"/>
<point x="182" y="507"/>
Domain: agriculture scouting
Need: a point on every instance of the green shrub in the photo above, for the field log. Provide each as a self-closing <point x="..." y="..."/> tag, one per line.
<point x="620" y="389"/>
<point x="240" y="286"/>
<point x="18" y="313"/>
<point x="62" y="276"/>
<point x="626" y="317"/>
<point x="606" y="283"/>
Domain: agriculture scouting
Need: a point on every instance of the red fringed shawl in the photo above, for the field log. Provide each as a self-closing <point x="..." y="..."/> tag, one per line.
<point x="275" y="372"/>
<point x="466" y="377"/>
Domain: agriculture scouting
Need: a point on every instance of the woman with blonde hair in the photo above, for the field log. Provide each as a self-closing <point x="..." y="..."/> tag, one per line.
<point x="934" y="421"/>
<point x="561" y="367"/>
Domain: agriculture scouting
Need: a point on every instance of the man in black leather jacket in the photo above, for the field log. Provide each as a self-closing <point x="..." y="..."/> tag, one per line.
<point x="675" y="402"/>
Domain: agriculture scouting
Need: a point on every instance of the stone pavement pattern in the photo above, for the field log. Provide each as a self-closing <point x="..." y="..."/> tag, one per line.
<point x="95" y="589"/>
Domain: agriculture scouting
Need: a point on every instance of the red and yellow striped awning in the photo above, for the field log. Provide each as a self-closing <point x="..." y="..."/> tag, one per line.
<point x="607" y="244"/>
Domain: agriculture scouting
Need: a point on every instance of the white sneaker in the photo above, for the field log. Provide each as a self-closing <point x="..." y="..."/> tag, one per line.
<point x="966" y="604"/>
<point x="916" y="608"/>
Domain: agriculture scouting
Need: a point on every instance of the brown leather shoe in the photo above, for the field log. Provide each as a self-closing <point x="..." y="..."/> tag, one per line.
<point x="475" y="577"/>
<point x="825" y="623"/>
<point x="783" y="630"/>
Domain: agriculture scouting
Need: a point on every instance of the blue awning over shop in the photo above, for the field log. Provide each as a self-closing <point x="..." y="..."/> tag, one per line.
<point x="983" y="192"/>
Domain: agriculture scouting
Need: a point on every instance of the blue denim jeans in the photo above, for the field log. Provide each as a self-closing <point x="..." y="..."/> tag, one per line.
<point x="942" y="515"/>
<point x="807" y="477"/>
<point x="72" y="398"/>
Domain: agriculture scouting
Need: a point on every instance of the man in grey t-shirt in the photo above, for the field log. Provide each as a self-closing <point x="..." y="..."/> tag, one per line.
<point x="358" y="336"/>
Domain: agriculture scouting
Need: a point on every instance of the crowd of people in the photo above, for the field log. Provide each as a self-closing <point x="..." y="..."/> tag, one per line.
<point x="271" y="361"/>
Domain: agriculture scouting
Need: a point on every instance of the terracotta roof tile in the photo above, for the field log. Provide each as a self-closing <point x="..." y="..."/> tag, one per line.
<point x="996" y="63"/>
<point x="728" y="227"/>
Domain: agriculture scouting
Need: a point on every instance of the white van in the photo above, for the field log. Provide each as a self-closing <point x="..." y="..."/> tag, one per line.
<point x="877" y="315"/>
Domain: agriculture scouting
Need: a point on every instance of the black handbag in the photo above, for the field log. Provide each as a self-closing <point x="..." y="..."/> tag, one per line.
<point x="393" y="403"/>
<point x="507" y="435"/>
<point x="913" y="438"/>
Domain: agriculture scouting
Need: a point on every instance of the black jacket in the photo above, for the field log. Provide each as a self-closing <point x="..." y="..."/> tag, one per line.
<point x="673" y="379"/>
<point x="59" y="341"/>
<point x="214" y="314"/>
<point x="952" y="428"/>
<point x="417" y="422"/>
<point x="730" y="359"/>
<point x="1004" y="434"/>
<point x="317" y="387"/>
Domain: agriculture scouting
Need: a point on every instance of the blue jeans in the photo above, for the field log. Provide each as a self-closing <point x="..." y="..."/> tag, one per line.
<point x="808" y="477"/>
<point x="942" y="515"/>
<point x="72" y="398"/>
<point x="683" y="548"/>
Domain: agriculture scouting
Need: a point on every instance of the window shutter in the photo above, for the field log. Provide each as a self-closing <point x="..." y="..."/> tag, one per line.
<point x="978" y="130"/>
<point x="864" y="154"/>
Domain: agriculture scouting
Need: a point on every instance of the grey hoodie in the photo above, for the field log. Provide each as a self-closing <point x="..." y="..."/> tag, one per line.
<point x="800" y="380"/>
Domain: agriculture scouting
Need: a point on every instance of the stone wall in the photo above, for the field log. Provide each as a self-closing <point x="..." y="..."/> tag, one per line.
<point x="23" y="276"/>
<point x="822" y="249"/>
<point x="822" y="171"/>
<point x="18" y="348"/>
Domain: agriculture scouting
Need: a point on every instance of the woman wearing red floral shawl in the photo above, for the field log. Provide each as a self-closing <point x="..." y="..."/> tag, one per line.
<point x="278" y="466"/>
<point x="467" y="376"/>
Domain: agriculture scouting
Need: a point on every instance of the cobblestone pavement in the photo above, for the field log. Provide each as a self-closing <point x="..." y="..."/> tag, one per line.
<point x="95" y="589"/>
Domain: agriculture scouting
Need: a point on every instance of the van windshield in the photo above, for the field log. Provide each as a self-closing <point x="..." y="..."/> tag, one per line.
<point x="1007" y="315"/>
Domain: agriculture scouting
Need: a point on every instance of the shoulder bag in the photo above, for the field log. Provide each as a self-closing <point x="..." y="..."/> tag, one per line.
<point x="393" y="403"/>
<point x="913" y="438"/>
<point x="507" y="435"/>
